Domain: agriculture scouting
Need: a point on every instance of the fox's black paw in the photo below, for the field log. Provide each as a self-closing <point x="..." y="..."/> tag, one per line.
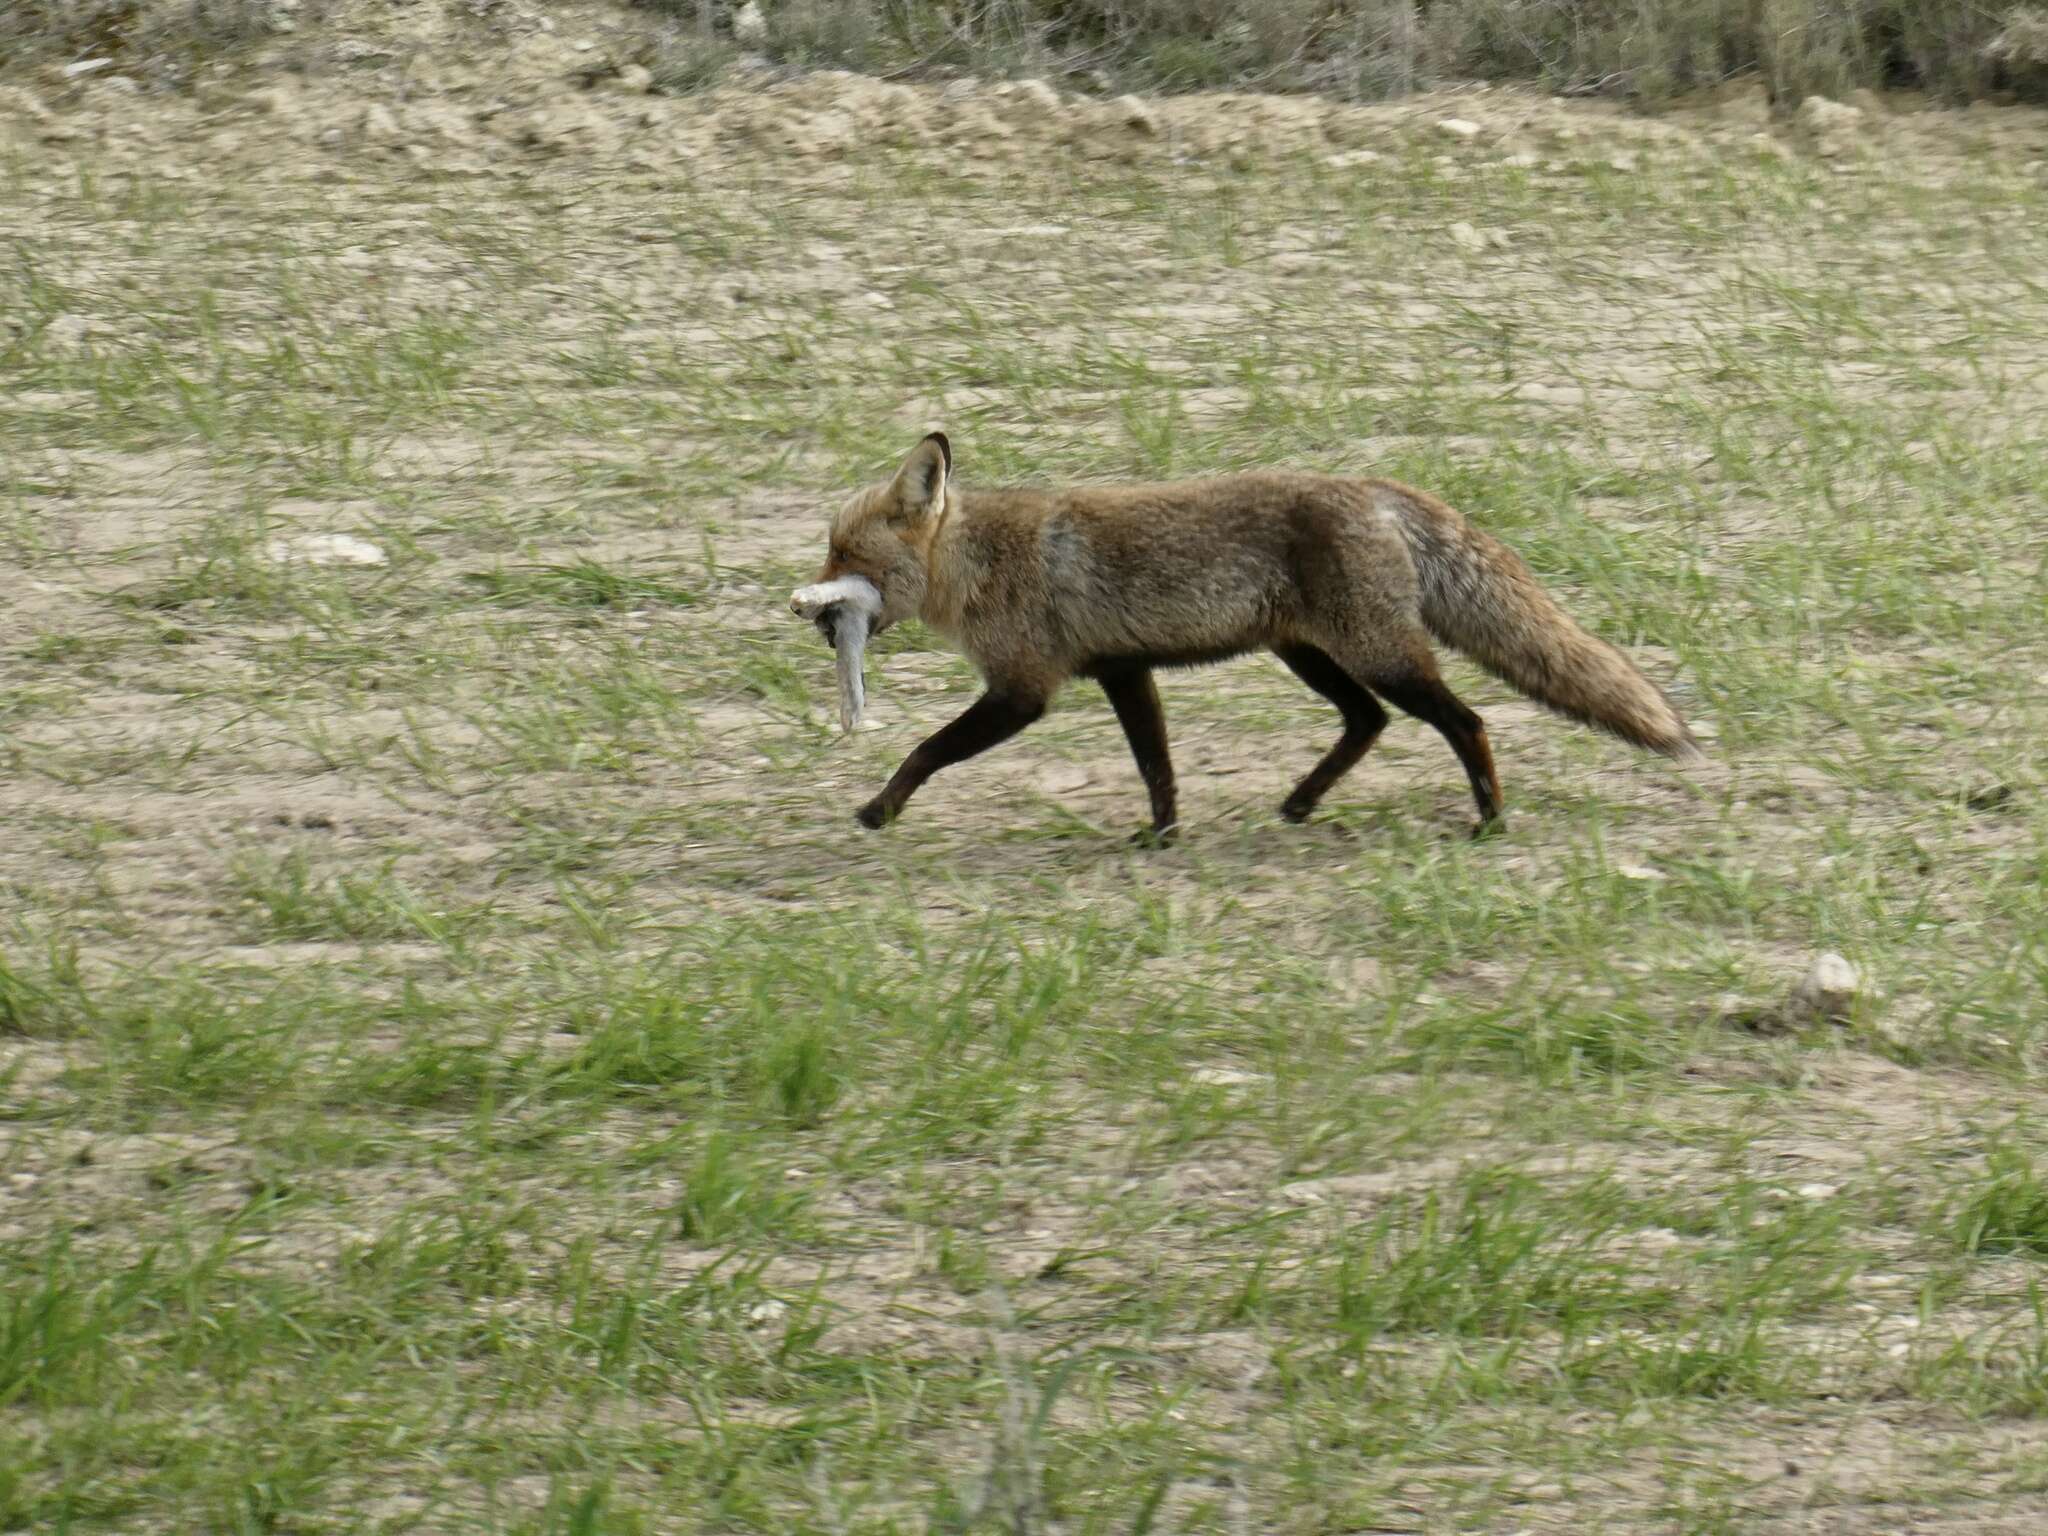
<point x="1156" y="837"/>
<point x="1492" y="827"/>
<point x="1296" y="812"/>
<point x="874" y="815"/>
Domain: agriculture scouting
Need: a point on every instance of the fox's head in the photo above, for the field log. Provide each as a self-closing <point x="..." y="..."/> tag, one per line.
<point x="885" y="532"/>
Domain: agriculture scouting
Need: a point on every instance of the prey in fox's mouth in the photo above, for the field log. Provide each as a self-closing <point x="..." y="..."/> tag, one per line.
<point x="845" y="612"/>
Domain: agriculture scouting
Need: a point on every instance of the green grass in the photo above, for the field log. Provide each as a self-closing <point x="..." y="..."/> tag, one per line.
<point x="461" y="1068"/>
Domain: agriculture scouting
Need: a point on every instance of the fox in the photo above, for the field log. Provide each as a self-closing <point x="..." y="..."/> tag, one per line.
<point x="1347" y="581"/>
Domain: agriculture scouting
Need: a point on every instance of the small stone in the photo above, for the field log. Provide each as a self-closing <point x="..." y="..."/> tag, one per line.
<point x="763" y="1313"/>
<point x="1136" y="115"/>
<point x="1465" y="237"/>
<point x="379" y="125"/>
<point x="1036" y="94"/>
<point x="1458" y="128"/>
<point x="1224" y="1077"/>
<point x="67" y="333"/>
<point x="1825" y="116"/>
<point x="84" y="67"/>
<point x="1828" y="990"/>
<point x="1816" y="1191"/>
<point x="633" y="80"/>
<point x="1835" y="126"/>
<point x="1354" y="977"/>
<point x="353" y="50"/>
<point x="326" y="549"/>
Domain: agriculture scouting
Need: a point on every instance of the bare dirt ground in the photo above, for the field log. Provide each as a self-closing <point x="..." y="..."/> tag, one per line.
<point x="461" y="1068"/>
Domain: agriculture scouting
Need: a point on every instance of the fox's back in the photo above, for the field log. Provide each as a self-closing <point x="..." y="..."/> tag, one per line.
<point x="1181" y="569"/>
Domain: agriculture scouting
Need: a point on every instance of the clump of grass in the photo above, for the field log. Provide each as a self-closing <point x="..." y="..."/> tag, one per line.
<point x="576" y="584"/>
<point x="726" y="1193"/>
<point x="2008" y="1212"/>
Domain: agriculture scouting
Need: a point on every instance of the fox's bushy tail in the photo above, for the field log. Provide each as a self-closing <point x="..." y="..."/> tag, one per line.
<point x="1480" y="597"/>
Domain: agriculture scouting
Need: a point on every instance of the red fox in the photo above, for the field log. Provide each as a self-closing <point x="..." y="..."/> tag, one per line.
<point x="1346" y="581"/>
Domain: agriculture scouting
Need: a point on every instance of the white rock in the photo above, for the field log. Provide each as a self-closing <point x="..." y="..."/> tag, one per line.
<point x="749" y="26"/>
<point x="379" y="125"/>
<point x="326" y="549"/>
<point x="1224" y="1077"/>
<point x="1829" y="988"/>
<point x="67" y="333"/>
<point x="1458" y="128"/>
<point x="1465" y="237"/>
<point x="1825" y="116"/>
<point x="1135" y="115"/>
<point x="1036" y="94"/>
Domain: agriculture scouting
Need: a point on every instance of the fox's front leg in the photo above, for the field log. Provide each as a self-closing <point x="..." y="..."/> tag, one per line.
<point x="1135" y="698"/>
<point x="994" y="717"/>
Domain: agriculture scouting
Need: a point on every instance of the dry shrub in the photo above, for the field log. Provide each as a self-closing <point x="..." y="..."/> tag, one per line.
<point x="1371" y="48"/>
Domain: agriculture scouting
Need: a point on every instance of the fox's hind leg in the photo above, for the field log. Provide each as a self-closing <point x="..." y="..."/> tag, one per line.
<point x="1363" y="722"/>
<point x="1135" y="698"/>
<point x="1416" y="687"/>
<point x="991" y="719"/>
<point x="1403" y="672"/>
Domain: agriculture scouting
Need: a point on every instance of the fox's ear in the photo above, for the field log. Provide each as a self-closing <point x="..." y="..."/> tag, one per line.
<point x="921" y="482"/>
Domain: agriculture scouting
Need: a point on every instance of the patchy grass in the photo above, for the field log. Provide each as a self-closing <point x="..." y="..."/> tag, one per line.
<point x="460" y="1068"/>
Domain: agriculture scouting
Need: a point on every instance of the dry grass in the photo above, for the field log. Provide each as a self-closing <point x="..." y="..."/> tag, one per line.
<point x="1645" y="49"/>
<point x="1359" y="49"/>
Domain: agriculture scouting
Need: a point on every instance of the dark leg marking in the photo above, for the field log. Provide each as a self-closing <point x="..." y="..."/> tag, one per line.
<point x="1423" y="695"/>
<point x="991" y="719"/>
<point x="1363" y="722"/>
<point x="1135" y="698"/>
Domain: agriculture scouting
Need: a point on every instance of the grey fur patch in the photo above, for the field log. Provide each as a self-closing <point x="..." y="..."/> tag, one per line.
<point x="851" y="604"/>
